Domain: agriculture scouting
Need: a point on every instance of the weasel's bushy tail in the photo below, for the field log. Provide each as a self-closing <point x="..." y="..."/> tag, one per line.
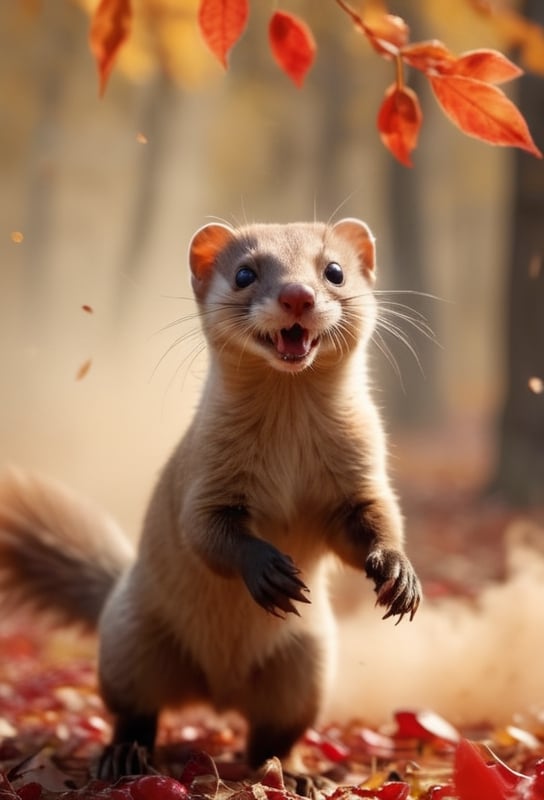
<point x="58" y="553"/>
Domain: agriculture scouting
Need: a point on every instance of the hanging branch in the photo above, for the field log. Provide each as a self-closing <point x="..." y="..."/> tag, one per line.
<point x="465" y="86"/>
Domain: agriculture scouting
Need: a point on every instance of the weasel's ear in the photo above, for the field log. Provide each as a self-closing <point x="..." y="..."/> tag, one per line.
<point x="360" y="236"/>
<point x="205" y="245"/>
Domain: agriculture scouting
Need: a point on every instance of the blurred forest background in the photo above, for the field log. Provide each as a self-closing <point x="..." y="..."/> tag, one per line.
<point x="106" y="193"/>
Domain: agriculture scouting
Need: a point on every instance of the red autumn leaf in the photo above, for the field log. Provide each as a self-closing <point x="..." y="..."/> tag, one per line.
<point x="425" y="56"/>
<point x="221" y="23"/>
<point x="387" y="33"/>
<point x="513" y="780"/>
<point x="489" y="66"/>
<point x="110" y="27"/>
<point x="424" y="725"/>
<point x="201" y="770"/>
<point x="474" y="778"/>
<point x="483" y="111"/>
<point x="399" y="121"/>
<point x="292" y="44"/>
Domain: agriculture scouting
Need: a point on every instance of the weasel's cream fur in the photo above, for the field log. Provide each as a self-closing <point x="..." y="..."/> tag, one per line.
<point x="282" y="467"/>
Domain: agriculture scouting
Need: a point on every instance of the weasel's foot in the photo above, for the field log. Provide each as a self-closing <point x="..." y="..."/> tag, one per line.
<point x="396" y="584"/>
<point x="314" y="787"/>
<point x="120" y="760"/>
<point x="273" y="579"/>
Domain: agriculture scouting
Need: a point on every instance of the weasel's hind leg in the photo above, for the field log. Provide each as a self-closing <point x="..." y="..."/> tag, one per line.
<point x="284" y="698"/>
<point x="131" y="747"/>
<point x="143" y="668"/>
<point x="154" y="677"/>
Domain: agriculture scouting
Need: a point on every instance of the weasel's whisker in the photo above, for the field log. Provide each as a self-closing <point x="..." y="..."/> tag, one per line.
<point x="187" y="361"/>
<point x="399" y="334"/>
<point x="381" y="292"/>
<point x="174" y="323"/>
<point x="391" y="314"/>
<point x="420" y="325"/>
<point x="384" y="348"/>
<point x="342" y="331"/>
<point x="194" y="315"/>
<point x="340" y="206"/>
<point x="234" y="328"/>
<point x="192" y="334"/>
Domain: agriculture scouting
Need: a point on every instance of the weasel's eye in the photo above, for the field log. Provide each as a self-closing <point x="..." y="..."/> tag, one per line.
<point x="245" y="277"/>
<point x="334" y="273"/>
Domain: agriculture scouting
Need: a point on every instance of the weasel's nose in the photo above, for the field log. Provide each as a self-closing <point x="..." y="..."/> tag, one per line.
<point x="297" y="298"/>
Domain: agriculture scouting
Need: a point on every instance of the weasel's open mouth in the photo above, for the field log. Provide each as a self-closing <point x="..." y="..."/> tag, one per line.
<point x="293" y="343"/>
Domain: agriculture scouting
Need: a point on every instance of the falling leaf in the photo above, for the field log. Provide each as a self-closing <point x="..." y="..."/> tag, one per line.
<point x="17" y="237"/>
<point x="88" y="309"/>
<point x="399" y="121"/>
<point x="221" y="23"/>
<point x="536" y="385"/>
<point x="141" y="138"/>
<point x="483" y="111"/>
<point x="84" y="369"/>
<point x="489" y="66"/>
<point x="292" y="44"/>
<point x="110" y="27"/>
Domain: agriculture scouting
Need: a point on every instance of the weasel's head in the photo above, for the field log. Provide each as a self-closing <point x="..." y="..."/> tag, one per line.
<point x="290" y="295"/>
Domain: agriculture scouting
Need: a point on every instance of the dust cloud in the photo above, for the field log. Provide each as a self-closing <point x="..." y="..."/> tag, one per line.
<point x="472" y="660"/>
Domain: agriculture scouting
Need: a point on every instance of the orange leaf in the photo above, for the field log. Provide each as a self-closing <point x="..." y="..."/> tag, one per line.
<point x="399" y="121"/>
<point x="483" y="111"/>
<point x="221" y="23"/>
<point x="387" y="34"/>
<point x="292" y="44"/>
<point x="489" y="66"/>
<point x="425" y="56"/>
<point x="110" y="27"/>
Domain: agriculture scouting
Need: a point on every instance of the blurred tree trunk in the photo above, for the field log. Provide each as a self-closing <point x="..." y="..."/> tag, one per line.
<point x="419" y="403"/>
<point x="520" y="473"/>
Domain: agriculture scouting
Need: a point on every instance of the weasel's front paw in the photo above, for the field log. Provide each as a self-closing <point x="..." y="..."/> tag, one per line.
<point x="396" y="584"/>
<point x="273" y="579"/>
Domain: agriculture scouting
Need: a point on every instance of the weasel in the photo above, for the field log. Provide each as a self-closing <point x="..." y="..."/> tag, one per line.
<point x="283" y="465"/>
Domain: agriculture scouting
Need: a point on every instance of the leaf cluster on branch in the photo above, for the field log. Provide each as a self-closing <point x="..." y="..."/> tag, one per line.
<point x="465" y="86"/>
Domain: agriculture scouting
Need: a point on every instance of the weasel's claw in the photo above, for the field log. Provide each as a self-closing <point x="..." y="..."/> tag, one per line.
<point x="120" y="760"/>
<point x="273" y="581"/>
<point x="396" y="584"/>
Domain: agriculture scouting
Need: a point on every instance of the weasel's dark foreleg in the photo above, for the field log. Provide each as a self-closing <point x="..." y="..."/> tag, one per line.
<point x="224" y="540"/>
<point x="370" y="538"/>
